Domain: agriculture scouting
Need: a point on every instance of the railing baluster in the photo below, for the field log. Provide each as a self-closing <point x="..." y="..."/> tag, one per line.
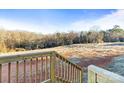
<point x="36" y="69"/>
<point x="24" y="77"/>
<point x="17" y="71"/>
<point x="48" y="61"/>
<point x="73" y="74"/>
<point x="31" y="69"/>
<point x="46" y="70"/>
<point x="67" y="71"/>
<point x="45" y="67"/>
<point x="81" y="76"/>
<point x="76" y="75"/>
<point x="61" y="68"/>
<point x="49" y="66"/>
<point x="57" y="68"/>
<point x="0" y="73"/>
<point x="9" y="72"/>
<point x="41" y="68"/>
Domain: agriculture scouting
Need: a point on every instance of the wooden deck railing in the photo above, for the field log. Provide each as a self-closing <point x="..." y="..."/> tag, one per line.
<point x="34" y="67"/>
<point x="99" y="75"/>
<point x="66" y="71"/>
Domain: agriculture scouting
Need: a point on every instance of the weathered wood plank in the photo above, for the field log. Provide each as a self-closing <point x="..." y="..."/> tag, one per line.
<point x="6" y="58"/>
<point x="41" y="68"/>
<point x="81" y="76"/>
<point x="0" y="73"/>
<point x="31" y="70"/>
<point x="17" y="71"/>
<point x="91" y="77"/>
<point x="100" y="75"/>
<point x="36" y="76"/>
<point x="9" y="72"/>
<point x="24" y="70"/>
<point x="52" y="68"/>
<point x="46" y="69"/>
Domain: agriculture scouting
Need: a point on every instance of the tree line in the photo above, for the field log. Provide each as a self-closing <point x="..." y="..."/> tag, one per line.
<point x="23" y="40"/>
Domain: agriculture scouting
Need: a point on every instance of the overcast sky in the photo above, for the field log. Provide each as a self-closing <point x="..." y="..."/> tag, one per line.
<point x="50" y="21"/>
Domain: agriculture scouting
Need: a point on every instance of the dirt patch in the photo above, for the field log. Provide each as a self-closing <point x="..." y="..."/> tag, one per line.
<point x="98" y="61"/>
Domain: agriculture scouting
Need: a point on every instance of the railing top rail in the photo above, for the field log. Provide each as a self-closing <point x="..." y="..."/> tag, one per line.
<point x="106" y="73"/>
<point x="5" y="58"/>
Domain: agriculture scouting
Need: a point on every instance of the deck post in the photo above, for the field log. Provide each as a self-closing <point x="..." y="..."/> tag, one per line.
<point x="91" y="76"/>
<point x="81" y="76"/>
<point x="52" y="67"/>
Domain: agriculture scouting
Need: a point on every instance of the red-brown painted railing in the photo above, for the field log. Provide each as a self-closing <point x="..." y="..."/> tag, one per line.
<point x="34" y="67"/>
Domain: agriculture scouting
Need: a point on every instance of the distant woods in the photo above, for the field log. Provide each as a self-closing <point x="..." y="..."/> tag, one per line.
<point x="22" y="40"/>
